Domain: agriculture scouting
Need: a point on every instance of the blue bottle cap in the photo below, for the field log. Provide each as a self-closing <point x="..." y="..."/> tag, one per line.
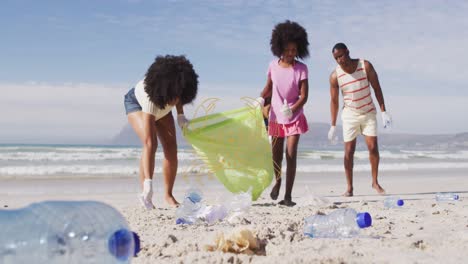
<point x="120" y="244"/>
<point x="364" y="220"/>
<point x="136" y="238"/>
<point x="400" y="202"/>
<point x="456" y="197"/>
<point x="194" y="197"/>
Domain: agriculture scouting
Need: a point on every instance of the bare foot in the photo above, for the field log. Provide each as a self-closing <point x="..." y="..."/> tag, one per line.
<point x="378" y="188"/>
<point x="349" y="192"/>
<point x="172" y="201"/>
<point x="288" y="203"/>
<point x="275" y="191"/>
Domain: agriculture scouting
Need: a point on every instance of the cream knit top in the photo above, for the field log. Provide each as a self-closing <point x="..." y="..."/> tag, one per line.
<point x="148" y="106"/>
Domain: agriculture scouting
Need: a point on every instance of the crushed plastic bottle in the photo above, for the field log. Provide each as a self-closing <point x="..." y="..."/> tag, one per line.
<point x="445" y="197"/>
<point x="193" y="210"/>
<point x="337" y="224"/>
<point x="214" y="213"/>
<point x="66" y="232"/>
<point x="393" y="202"/>
<point x="188" y="212"/>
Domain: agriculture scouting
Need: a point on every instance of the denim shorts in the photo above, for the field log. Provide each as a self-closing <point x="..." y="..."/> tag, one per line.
<point x="131" y="103"/>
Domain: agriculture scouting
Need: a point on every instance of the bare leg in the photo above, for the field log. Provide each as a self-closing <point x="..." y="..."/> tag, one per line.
<point x="141" y="174"/>
<point x="167" y="136"/>
<point x="277" y="148"/>
<point x="136" y="121"/>
<point x="350" y="147"/>
<point x="291" y="162"/>
<point x="147" y="158"/>
<point x="374" y="158"/>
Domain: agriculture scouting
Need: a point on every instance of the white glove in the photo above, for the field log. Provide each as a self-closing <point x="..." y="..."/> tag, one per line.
<point x="182" y="121"/>
<point x="258" y="102"/>
<point x="386" y="120"/>
<point x="332" y="133"/>
<point x="285" y="110"/>
<point x="332" y="137"/>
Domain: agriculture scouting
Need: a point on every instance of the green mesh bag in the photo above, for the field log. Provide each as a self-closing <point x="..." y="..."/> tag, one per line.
<point x="234" y="145"/>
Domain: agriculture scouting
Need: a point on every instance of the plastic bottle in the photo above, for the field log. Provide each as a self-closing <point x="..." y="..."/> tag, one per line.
<point x="393" y="202"/>
<point x="339" y="223"/>
<point x="190" y="208"/>
<point x="215" y="213"/>
<point x="443" y="197"/>
<point x="66" y="232"/>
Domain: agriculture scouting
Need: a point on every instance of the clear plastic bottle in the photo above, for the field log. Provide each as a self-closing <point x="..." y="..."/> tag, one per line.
<point x="66" y="232"/>
<point x="337" y="224"/>
<point x="190" y="208"/>
<point x="443" y="197"/>
<point x="393" y="202"/>
<point x="215" y="213"/>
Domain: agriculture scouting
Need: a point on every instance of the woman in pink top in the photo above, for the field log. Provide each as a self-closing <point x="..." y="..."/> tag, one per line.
<point x="288" y="87"/>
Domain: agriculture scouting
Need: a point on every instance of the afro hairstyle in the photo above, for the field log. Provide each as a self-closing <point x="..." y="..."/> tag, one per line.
<point x="287" y="32"/>
<point x="170" y="77"/>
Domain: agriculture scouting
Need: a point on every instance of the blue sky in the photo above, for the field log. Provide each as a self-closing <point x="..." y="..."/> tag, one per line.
<point x="67" y="64"/>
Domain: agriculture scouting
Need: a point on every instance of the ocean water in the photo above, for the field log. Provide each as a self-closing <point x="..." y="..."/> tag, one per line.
<point x="58" y="161"/>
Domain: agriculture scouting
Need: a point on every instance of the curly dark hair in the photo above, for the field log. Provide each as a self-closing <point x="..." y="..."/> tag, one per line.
<point x="170" y="77"/>
<point x="286" y="32"/>
<point x="339" y="46"/>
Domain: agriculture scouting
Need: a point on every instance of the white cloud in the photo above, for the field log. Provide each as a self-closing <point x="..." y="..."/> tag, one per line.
<point x="94" y="113"/>
<point x="73" y="112"/>
<point x="420" y="38"/>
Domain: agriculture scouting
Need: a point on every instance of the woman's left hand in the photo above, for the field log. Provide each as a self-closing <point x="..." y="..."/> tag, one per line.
<point x="182" y="121"/>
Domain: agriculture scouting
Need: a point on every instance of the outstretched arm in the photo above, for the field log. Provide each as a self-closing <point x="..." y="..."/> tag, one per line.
<point x="149" y="145"/>
<point x="180" y="109"/>
<point x="334" y="93"/>
<point x="374" y="81"/>
<point x="182" y="121"/>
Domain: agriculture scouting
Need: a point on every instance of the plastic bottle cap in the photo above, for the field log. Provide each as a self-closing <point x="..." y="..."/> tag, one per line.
<point x="120" y="244"/>
<point x="456" y="197"/>
<point x="364" y="220"/>
<point x="194" y="197"/>
<point x="400" y="202"/>
<point x="136" y="238"/>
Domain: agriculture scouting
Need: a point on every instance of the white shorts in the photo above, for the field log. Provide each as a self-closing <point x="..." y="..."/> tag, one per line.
<point x="356" y="123"/>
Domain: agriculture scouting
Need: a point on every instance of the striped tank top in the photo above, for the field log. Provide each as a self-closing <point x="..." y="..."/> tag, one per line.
<point x="355" y="89"/>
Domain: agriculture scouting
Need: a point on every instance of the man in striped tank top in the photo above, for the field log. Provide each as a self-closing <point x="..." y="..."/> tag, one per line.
<point x="354" y="77"/>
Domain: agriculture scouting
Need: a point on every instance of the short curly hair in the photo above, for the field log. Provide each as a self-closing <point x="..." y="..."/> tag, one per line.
<point x="170" y="77"/>
<point x="287" y="32"/>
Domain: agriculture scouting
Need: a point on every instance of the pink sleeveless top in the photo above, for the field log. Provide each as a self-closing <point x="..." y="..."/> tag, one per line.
<point x="355" y="88"/>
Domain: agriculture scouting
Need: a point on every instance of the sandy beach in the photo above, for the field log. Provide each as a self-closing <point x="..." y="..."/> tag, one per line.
<point x="423" y="231"/>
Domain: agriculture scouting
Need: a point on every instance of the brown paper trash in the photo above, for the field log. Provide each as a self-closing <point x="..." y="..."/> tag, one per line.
<point x="239" y="241"/>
